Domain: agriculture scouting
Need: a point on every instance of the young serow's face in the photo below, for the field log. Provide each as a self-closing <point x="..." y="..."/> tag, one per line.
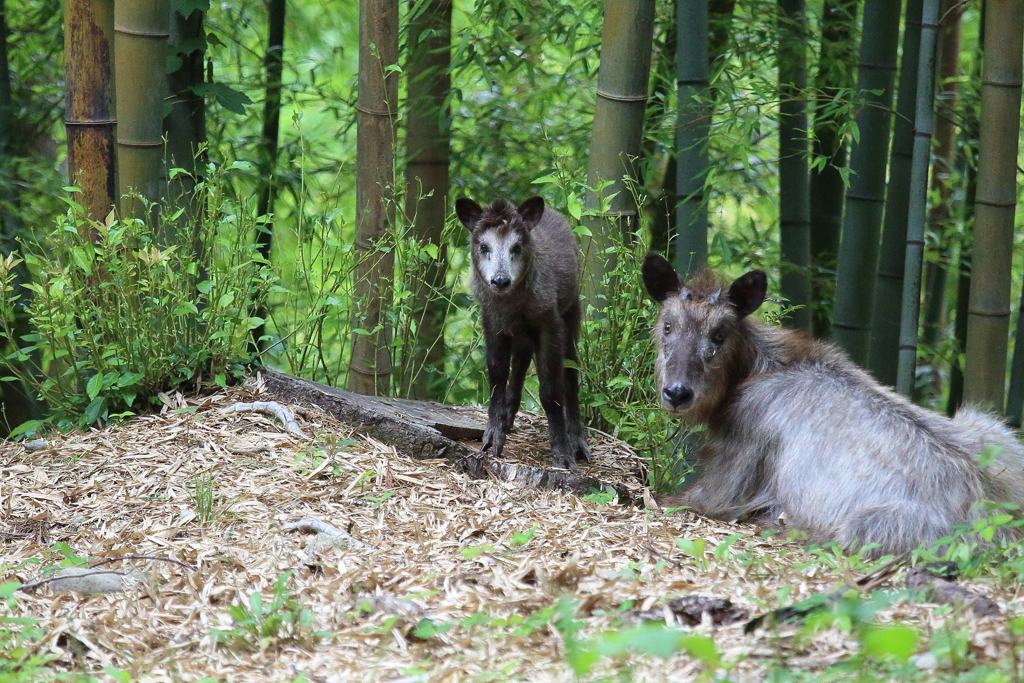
<point x="500" y="239"/>
<point x="697" y="333"/>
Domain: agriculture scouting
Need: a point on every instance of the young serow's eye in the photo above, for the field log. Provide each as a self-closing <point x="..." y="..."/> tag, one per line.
<point x="667" y="328"/>
<point x="516" y="250"/>
<point x="484" y="249"/>
<point x="718" y="337"/>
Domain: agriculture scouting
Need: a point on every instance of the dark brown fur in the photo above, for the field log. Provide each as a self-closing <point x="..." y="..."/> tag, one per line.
<point x="525" y="265"/>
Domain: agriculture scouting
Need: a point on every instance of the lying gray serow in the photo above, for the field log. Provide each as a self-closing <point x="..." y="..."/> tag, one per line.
<point x="796" y="429"/>
<point x="525" y="265"/>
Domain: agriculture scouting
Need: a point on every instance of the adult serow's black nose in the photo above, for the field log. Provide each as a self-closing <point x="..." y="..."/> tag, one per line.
<point x="501" y="281"/>
<point x="677" y="395"/>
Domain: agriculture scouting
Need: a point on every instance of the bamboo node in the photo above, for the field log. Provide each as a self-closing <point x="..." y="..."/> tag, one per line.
<point x="377" y="112"/>
<point x="621" y="98"/>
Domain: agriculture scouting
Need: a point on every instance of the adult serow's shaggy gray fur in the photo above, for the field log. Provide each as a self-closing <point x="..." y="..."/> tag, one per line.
<point x="796" y="429"/>
<point x="525" y="266"/>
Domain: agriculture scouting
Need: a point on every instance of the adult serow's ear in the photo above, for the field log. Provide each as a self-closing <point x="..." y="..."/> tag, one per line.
<point x="660" y="278"/>
<point x="468" y="211"/>
<point x="531" y="210"/>
<point x="747" y="293"/>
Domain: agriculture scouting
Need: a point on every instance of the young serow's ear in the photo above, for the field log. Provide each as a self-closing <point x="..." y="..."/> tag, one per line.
<point x="660" y="278"/>
<point x="468" y="211"/>
<point x="531" y="210"/>
<point x="747" y="293"/>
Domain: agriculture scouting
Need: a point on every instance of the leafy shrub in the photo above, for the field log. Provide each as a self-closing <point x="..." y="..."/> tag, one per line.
<point x="118" y="316"/>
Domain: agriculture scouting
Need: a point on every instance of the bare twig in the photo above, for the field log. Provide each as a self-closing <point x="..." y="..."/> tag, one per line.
<point x="142" y="557"/>
<point x="273" y="409"/>
<point x="57" y="577"/>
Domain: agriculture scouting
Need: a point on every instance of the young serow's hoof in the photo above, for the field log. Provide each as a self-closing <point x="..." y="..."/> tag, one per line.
<point x="796" y="429"/>
<point x="525" y="264"/>
<point x="494" y="441"/>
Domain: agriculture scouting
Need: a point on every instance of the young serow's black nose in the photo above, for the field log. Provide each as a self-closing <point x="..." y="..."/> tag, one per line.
<point x="677" y="395"/>
<point x="501" y="282"/>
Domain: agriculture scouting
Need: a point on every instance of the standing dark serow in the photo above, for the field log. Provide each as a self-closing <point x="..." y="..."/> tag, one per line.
<point x="797" y="430"/>
<point x="525" y="266"/>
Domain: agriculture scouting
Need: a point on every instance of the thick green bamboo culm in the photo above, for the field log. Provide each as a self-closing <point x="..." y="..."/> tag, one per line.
<point x="266" y="192"/>
<point x="141" y="30"/>
<point x="942" y="182"/>
<point x="185" y="123"/>
<point x="835" y="72"/>
<point x="370" y="359"/>
<point x="865" y="199"/>
<point x="89" y="105"/>
<point x="692" y="127"/>
<point x="988" y="320"/>
<point x="428" y="152"/>
<point x="794" y="177"/>
<point x="617" y="129"/>
<point x="918" y="207"/>
<point x="883" y="351"/>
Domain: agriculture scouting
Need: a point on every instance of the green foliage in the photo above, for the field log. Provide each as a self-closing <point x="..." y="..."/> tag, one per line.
<point x="259" y="625"/>
<point x="21" y="657"/>
<point x="117" y="316"/>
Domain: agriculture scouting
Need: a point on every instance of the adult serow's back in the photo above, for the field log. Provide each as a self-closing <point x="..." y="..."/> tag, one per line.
<point x="525" y="266"/>
<point x="797" y="430"/>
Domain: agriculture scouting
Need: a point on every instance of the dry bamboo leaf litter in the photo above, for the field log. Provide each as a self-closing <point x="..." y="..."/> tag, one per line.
<point x="419" y="541"/>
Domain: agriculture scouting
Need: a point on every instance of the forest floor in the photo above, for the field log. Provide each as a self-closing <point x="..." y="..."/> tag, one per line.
<point x="443" y="578"/>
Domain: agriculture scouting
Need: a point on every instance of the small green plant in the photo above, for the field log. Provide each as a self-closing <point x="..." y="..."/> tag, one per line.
<point x="259" y="625"/>
<point x="20" y="658"/>
<point x="203" y="497"/>
<point x="521" y="538"/>
<point x="605" y="497"/>
<point x="475" y="551"/>
<point x="695" y="549"/>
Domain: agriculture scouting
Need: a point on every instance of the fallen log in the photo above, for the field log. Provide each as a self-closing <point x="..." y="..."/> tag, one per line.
<point x="416" y="428"/>
<point x="421" y="429"/>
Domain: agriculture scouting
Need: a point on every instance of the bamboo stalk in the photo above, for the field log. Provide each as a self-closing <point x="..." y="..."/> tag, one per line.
<point x="185" y="124"/>
<point x="141" y="30"/>
<point x="89" y="103"/>
<point x="989" y="312"/>
<point x="835" y="72"/>
<point x="428" y="150"/>
<point x="865" y="199"/>
<point x="883" y="350"/>
<point x="370" y="360"/>
<point x="617" y="132"/>
<point x="266" y="193"/>
<point x="692" y="128"/>
<point x="945" y="159"/>
<point x="918" y="207"/>
<point x="794" y="178"/>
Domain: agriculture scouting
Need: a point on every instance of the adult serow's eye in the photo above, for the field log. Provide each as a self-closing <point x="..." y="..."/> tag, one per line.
<point x="718" y="337"/>
<point x="484" y="249"/>
<point x="516" y="250"/>
<point x="667" y="328"/>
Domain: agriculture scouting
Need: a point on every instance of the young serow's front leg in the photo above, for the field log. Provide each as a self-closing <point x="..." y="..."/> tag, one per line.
<point x="522" y="354"/>
<point x="499" y="354"/>
<point x="551" y="374"/>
